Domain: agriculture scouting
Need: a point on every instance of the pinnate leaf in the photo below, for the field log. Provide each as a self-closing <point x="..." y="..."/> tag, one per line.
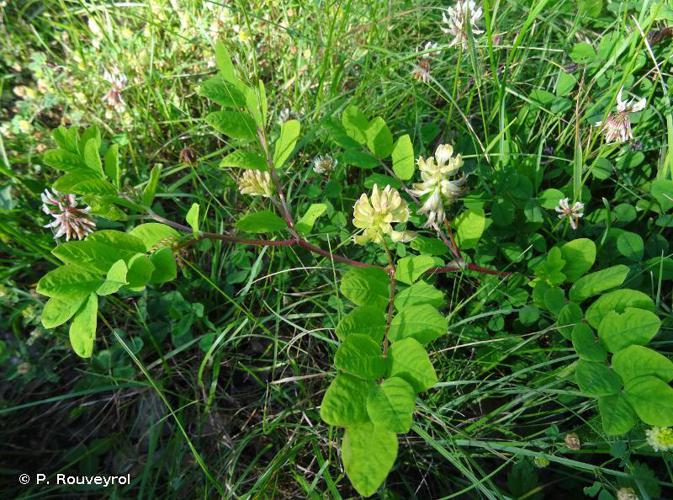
<point x="422" y="322"/>
<point x="409" y="360"/>
<point x="390" y="405"/>
<point x="368" y="454"/>
<point x="345" y="401"/>
<point x="633" y="326"/>
<point x="359" y="355"/>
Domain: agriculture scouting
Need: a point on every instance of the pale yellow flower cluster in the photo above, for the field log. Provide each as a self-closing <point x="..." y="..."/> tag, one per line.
<point x="255" y="183"/>
<point x="376" y="214"/>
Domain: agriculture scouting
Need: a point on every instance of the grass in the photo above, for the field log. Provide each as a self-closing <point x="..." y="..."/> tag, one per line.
<point x="211" y="386"/>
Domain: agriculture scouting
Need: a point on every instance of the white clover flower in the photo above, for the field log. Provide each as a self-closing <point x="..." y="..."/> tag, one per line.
<point x="376" y="214"/>
<point x="438" y="188"/>
<point x="660" y="438"/>
<point x="117" y="81"/>
<point x="617" y="126"/>
<point x="457" y="19"/>
<point x="574" y="213"/>
<point x="255" y="183"/>
<point x="324" y="164"/>
<point x="421" y="70"/>
<point x="69" y="220"/>
<point x="625" y="493"/>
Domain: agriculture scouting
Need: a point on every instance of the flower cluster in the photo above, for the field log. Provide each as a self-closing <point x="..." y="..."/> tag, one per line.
<point x="255" y="183"/>
<point x="324" y="164"/>
<point x="375" y="215"/>
<point x="69" y="220"/>
<point x="437" y="186"/>
<point x="660" y="438"/>
<point x="573" y="213"/>
<point x="117" y="81"/>
<point x="421" y="71"/>
<point x="458" y="18"/>
<point x="617" y="126"/>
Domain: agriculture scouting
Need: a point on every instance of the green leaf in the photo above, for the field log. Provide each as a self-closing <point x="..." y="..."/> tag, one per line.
<point x="470" y="225"/>
<point x="379" y="138"/>
<point x="417" y="294"/>
<point x="289" y="133"/>
<point x="355" y="124"/>
<point x="306" y="222"/>
<point x="423" y="323"/>
<point x="233" y="123"/>
<point x="124" y="242"/>
<point x="596" y="379"/>
<point x="368" y="453"/>
<point x="67" y="139"/>
<point x="616" y="414"/>
<point x="360" y="159"/>
<point x="224" y="93"/>
<point x="115" y="279"/>
<point x="617" y="300"/>
<point x="600" y="281"/>
<point x="151" y="187"/>
<point x="366" y="287"/>
<point x="662" y="191"/>
<point x="224" y="64"/>
<point x="359" y="355"/>
<point x="90" y="134"/>
<point x="112" y="169"/>
<point x="63" y="160"/>
<point x="652" y="399"/>
<point x="58" y="310"/>
<point x="554" y="301"/>
<point x="68" y="280"/>
<point x="403" y="158"/>
<point x="587" y="345"/>
<point x="565" y="84"/>
<point x="165" y="268"/>
<point x="363" y="320"/>
<point x="244" y="159"/>
<point x="569" y="316"/>
<point x="263" y="221"/>
<point x="409" y="269"/>
<point x="345" y="401"/>
<point x="84" y="182"/>
<point x="579" y="256"/>
<point x="429" y="246"/>
<point x="638" y="361"/>
<point x="390" y="405"/>
<point x="83" y="328"/>
<point x="91" y="254"/>
<point x="92" y="156"/>
<point x="550" y="198"/>
<point x="631" y="246"/>
<point x="155" y="235"/>
<point x="582" y="53"/>
<point x="192" y="219"/>
<point x="591" y="8"/>
<point x="633" y="326"/>
<point x="409" y="360"/>
<point x="140" y="269"/>
<point x="255" y="102"/>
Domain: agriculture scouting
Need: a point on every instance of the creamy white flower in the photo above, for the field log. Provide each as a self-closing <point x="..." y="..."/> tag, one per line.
<point x="69" y="220"/>
<point x="255" y="183"/>
<point x="617" y="125"/>
<point x="117" y="81"/>
<point x="457" y="19"/>
<point x="438" y="188"/>
<point x="573" y="213"/>
<point x="660" y="438"/>
<point x="376" y="214"/>
<point x="625" y="493"/>
<point x="324" y="164"/>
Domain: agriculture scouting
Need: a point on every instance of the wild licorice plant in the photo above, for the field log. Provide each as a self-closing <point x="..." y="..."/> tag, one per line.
<point x="381" y="362"/>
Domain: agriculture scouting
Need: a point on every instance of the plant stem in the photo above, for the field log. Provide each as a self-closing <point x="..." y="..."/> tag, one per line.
<point x="391" y="297"/>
